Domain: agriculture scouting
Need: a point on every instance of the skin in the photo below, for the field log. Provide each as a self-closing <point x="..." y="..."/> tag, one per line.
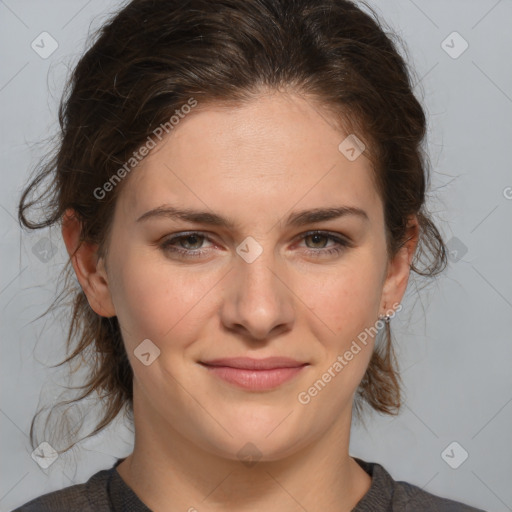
<point x="254" y="164"/>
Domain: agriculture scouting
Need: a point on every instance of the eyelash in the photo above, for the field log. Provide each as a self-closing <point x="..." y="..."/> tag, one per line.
<point x="168" y="245"/>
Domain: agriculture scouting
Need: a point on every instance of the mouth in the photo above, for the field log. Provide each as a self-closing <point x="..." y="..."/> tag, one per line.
<point x="255" y="374"/>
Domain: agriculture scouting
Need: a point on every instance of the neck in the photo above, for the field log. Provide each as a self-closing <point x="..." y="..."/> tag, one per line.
<point x="167" y="468"/>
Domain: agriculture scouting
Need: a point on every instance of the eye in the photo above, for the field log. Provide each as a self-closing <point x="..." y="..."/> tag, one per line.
<point x="190" y="245"/>
<point x="340" y="244"/>
<point x="193" y="239"/>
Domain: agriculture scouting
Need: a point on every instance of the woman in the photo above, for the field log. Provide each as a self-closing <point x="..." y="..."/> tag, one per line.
<point x="241" y="189"/>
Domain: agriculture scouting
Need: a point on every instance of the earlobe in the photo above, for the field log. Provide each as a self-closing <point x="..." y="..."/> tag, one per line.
<point x="89" y="269"/>
<point x="399" y="267"/>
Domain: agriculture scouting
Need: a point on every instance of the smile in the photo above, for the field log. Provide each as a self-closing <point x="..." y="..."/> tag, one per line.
<point x="254" y="375"/>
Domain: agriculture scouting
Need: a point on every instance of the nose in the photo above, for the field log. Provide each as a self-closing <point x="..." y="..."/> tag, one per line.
<point x="259" y="302"/>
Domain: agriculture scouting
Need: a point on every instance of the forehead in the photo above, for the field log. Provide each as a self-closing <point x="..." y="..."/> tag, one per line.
<point x="271" y="153"/>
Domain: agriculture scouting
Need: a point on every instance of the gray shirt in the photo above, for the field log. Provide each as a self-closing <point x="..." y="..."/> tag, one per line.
<point x="106" y="491"/>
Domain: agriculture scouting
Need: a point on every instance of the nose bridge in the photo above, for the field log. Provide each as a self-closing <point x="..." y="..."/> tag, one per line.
<point x="259" y="301"/>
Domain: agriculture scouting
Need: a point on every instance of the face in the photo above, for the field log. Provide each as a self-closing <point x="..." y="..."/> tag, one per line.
<point x="247" y="280"/>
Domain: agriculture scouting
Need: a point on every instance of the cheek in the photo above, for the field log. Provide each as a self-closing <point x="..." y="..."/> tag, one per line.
<point x="346" y="301"/>
<point x="155" y="301"/>
<point x="162" y="301"/>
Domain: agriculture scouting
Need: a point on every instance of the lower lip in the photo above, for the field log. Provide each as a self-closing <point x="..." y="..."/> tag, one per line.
<point x="255" y="380"/>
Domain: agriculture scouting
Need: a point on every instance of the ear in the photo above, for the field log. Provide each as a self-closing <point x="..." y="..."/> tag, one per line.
<point x="399" y="267"/>
<point x="89" y="269"/>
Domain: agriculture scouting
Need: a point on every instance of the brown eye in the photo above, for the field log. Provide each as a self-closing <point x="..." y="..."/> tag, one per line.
<point x="322" y="238"/>
<point x="188" y="245"/>
<point x="192" y="240"/>
<point x="315" y="237"/>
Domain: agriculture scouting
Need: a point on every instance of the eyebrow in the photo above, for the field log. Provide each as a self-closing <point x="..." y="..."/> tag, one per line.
<point x="295" y="219"/>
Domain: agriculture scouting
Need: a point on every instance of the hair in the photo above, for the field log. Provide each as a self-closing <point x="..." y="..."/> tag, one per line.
<point x="150" y="59"/>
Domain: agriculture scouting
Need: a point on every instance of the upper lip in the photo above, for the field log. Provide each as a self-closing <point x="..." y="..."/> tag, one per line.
<point x="248" y="363"/>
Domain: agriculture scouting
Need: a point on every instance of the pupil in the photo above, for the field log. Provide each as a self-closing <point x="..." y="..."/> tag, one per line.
<point x="191" y="237"/>
<point x="316" y="237"/>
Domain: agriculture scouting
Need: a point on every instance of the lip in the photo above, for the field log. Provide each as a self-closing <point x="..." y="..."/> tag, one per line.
<point x="255" y="374"/>
<point x="248" y="363"/>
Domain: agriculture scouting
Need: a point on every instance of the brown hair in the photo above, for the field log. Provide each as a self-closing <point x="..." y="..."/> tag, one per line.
<point x="150" y="58"/>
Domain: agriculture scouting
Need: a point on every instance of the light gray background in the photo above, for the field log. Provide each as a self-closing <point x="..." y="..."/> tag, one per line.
<point x="454" y="342"/>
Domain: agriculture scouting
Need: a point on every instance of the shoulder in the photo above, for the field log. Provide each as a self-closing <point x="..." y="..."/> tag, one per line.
<point x="409" y="497"/>
<point x="386" y="494"/>
<point x="91" y="496"/>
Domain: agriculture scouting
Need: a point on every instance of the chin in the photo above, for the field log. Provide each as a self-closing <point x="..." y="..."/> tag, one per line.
<point x="262" y="435"/>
